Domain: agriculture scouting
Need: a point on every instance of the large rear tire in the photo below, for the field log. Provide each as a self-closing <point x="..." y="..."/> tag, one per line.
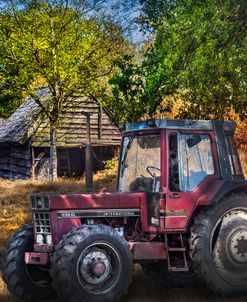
<point x="27" y="282"/>
<point x="218" y="245"/>
<point x="92" y="263"/>
<point x="160" y="274"/>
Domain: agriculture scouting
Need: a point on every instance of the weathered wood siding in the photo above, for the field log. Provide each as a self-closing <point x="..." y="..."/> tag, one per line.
<point x="14" y="161"/>
<point x="72" y="131"/>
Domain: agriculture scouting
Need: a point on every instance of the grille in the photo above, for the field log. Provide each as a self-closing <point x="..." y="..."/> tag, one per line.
<point x="42" y="223"/>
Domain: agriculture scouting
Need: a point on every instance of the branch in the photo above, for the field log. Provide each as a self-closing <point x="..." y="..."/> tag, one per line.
<point x="38" y="101"/>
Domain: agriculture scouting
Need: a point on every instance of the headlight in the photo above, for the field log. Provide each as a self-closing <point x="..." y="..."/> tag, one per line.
<point x="40" y="239"/>
<point x="40" y="202"/>
<point x="48" y="239"/>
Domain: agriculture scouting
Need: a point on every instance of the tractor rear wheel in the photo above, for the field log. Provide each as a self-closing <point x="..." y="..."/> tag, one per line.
<point x="219" y="245"/>
<point x="92" y="263"/>
<point x="28" y="282"/>
<point x="160" y="274"/>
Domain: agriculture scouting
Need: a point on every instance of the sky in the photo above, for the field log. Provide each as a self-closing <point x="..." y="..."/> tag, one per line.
<point x="126" y="12"/>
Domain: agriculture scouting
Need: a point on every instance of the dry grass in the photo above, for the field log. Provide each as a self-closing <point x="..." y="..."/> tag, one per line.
<point x="15" y="196"/>
<point x="14" y="211"/>
<point x="243" y="158"/>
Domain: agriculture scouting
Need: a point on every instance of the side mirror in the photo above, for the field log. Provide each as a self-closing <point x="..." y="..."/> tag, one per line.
<point x="193" y="140"/>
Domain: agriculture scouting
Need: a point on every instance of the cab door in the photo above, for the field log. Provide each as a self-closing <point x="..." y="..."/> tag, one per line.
<point x="190" y="170"/>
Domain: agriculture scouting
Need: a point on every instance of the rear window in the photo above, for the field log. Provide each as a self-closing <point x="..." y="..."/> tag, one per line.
<point x="233" y="156"/>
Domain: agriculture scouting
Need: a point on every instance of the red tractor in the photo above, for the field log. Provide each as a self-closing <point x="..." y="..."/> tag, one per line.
<point x="180" y="210"/>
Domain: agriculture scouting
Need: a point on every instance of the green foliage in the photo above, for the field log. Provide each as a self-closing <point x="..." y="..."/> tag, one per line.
<point x="136" y="90"/>
<point x="8" y="104"/>
<point x="154" y="11"/>
<point x="127" y="91"/>
<point x="11" y="83"/>
<point x="199" y="53"/>
<point x="65" y="47"/>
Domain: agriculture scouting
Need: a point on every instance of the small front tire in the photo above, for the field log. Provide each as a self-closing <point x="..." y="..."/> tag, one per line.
<point x="27" y="282"/>
<point x="92" y="263"/>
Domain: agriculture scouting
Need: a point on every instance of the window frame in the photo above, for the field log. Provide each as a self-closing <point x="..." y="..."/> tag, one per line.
<point x="187" y="132"/>
<point x="232" y="150"/>
<point x="141" y="133"/>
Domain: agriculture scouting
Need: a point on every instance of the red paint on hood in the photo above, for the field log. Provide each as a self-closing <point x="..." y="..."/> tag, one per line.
<point x="95" y="201"/>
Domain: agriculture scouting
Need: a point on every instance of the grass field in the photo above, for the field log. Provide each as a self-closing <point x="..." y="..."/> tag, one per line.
<point x="14" y="211"/>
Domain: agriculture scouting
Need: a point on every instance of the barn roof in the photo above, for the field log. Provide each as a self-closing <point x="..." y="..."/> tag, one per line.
<point x="18" y="127"/>
<point x="28" y="122"/>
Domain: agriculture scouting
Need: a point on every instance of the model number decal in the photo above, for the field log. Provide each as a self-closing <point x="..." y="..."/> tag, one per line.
<point x="89" y="214"/>
<point x="67" y="215"/>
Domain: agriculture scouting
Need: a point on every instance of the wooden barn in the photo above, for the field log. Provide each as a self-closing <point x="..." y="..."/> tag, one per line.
<point x="24" y="140"/>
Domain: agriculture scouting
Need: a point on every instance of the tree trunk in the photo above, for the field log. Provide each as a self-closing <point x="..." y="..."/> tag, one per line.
<point x="53" y="153"/>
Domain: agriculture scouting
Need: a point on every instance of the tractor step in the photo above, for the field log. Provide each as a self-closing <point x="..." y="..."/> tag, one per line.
<point x="178" y="249"/>
<point x="179" y="269"/>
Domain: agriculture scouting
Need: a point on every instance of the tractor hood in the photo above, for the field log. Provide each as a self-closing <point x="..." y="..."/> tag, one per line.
<point x="89" y="201"/>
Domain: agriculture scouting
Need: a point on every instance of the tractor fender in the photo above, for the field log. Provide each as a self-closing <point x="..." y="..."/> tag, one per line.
<point x="215" y="192"/>
<point x="229" y="187"/>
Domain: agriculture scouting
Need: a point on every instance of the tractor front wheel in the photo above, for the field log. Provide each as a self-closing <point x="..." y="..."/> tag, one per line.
<point x="92" y="263"/>
<point x="219" y="245"/>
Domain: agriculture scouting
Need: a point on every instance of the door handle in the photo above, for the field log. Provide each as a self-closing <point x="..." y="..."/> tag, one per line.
<point x="175" y="196"/>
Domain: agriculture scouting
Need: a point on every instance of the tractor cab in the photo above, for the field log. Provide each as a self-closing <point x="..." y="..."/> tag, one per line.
<point x="174" y="161"/>
<point x="176" y="155"/>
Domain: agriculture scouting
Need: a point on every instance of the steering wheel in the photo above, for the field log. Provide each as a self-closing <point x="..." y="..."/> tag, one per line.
<point x="150" y="173"/>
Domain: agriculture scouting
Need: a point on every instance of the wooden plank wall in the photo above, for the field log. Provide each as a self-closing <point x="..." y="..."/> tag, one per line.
<point x="72" y="131"/>
<point x="14" y="161"/>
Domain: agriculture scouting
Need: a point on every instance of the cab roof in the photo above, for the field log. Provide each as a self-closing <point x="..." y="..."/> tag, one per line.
<point x="178" y="124"/>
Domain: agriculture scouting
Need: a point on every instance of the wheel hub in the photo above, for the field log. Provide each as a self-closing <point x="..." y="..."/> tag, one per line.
<point x="238" y="246"/>
<point x="95" y="267"/>
<point x="98" y="268"/>
<point x="242" y="246"/>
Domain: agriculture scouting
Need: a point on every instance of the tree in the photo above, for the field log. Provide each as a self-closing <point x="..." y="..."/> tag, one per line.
<point x="63" y="45"/>
<point x="199" y="53"/>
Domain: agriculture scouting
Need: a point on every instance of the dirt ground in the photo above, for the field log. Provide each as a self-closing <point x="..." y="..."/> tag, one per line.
<point x="144" y="290"/>
<point x="14" y="211"/>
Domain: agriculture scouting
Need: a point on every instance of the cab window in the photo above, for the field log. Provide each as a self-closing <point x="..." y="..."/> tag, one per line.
<point x="196" y="160"/>
<point x="190" y="161"/>
<point x="140" y="164"/>
<point x="233" y="156"/>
